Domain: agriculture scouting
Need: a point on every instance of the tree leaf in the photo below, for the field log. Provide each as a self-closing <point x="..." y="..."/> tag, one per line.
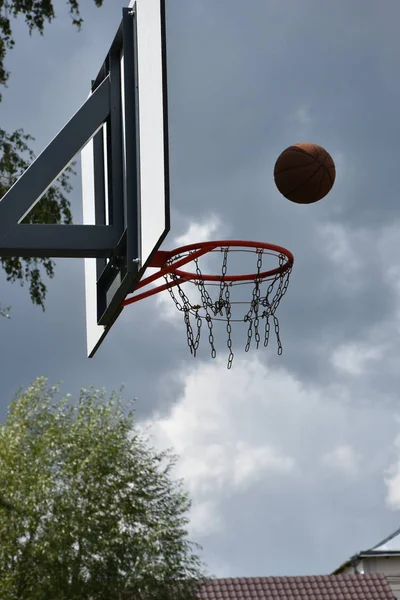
<point x="97" y="513"/>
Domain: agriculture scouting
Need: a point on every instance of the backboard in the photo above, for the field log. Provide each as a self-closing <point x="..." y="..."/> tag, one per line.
<point x="125" y="171"/>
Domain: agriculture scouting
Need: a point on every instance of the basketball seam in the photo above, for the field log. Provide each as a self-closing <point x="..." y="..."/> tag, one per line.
<point x="321" y="164"/>
<point x="320" y="185"/>
<point x="297" y="149"/>
<point x="319" y="157"/>
<point x="316" y="150"/>
<point x="295" y="168"/>
<point x="302" y="151"/>
<point x="332" y="179"/>
<point x="303" y="183"/>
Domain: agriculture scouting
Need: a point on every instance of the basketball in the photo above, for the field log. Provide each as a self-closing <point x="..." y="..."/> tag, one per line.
<point x="304" y="173"/>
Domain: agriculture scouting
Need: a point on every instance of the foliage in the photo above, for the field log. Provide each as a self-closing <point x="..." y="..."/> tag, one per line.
<point x="15" y="155"/>
<point x="89" y="508"/>
<point x="36" y="13"/>
<point x="53" y="207"/>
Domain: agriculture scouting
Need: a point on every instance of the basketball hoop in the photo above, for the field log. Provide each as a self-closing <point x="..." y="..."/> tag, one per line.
<point x="214" y="298"/>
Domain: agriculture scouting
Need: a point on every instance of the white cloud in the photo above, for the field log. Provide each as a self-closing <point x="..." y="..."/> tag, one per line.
<point x="392" y="481"/>
<point x="302" y="115"/>
<point x="249" y="431"/>
<point x="388" y="247"/>
<point x="342" y="458"/>
<point x="228" y="466"/>
<point x="222" y="449"/>
<point x="355" y="258"/>
<point x="343" y="249"/>
<point x="392" y="477"/>
<point x="196" y="232"/>
<point x="253" y="463"/>
<point x="301" y="123"/>
<point x="200" y="232"/>
<point x="204" y="518"/>
<point x="355" y="359"/>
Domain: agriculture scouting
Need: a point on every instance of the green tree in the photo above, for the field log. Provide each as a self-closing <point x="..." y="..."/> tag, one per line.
<point x="53" y="207"/>
<point x="89" y="509"/>
<point x="16" y="155"/>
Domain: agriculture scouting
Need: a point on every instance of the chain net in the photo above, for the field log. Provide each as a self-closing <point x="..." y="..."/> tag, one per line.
<point x="216" y="301"/>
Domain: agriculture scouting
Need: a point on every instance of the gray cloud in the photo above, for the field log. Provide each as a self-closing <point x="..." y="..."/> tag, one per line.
<point x="245" y="82"/>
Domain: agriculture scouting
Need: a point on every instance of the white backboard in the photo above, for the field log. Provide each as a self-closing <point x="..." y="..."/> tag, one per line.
<point x="153" y="154"/>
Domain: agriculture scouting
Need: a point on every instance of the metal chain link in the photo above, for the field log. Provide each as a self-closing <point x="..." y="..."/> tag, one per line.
<point x="221" y="308"/>
<point x="229" y="326"/>
<point x="256" y="298"/>
<point x="266" y="331"/>
<point x="252" y="316"/>
<point x="249" y="335"/>
<point x="184" y="307"/>
<point x="220" y="303"/>
<point x="271" y="306"/>
<point x="278" y="339"/>
<point x="199" y="322"/>
<point x="207" y="304"/>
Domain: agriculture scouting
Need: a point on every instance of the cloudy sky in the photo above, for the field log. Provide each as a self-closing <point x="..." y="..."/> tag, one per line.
<point x="293" y="462"/>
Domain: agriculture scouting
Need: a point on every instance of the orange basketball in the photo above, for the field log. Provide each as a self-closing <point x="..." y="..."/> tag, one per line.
<point x="304" y="173"/>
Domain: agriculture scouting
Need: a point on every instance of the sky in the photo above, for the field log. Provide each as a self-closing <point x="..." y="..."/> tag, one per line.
<point x="292" y="461"/>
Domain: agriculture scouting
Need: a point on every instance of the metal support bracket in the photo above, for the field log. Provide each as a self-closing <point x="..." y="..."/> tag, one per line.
<point x="17" y="239"/>
<point x="107" y="120"/>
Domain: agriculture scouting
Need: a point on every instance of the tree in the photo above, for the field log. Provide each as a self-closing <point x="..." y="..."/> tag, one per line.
<point x="90" y="509"/>
<point x="15" y="154"/>
<point x="54" y="207"/>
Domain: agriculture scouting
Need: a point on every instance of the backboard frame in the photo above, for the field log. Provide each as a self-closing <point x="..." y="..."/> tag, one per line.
<point x="130" y="62"/>
<point x="113" y="238"/>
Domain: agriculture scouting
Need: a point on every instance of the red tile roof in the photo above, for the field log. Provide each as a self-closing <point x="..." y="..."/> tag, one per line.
<point x="373" y="586"/>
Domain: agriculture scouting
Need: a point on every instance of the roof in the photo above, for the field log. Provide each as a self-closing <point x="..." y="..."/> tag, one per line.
<point x="390" y="546"/>
<point x="373" y="586"/>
